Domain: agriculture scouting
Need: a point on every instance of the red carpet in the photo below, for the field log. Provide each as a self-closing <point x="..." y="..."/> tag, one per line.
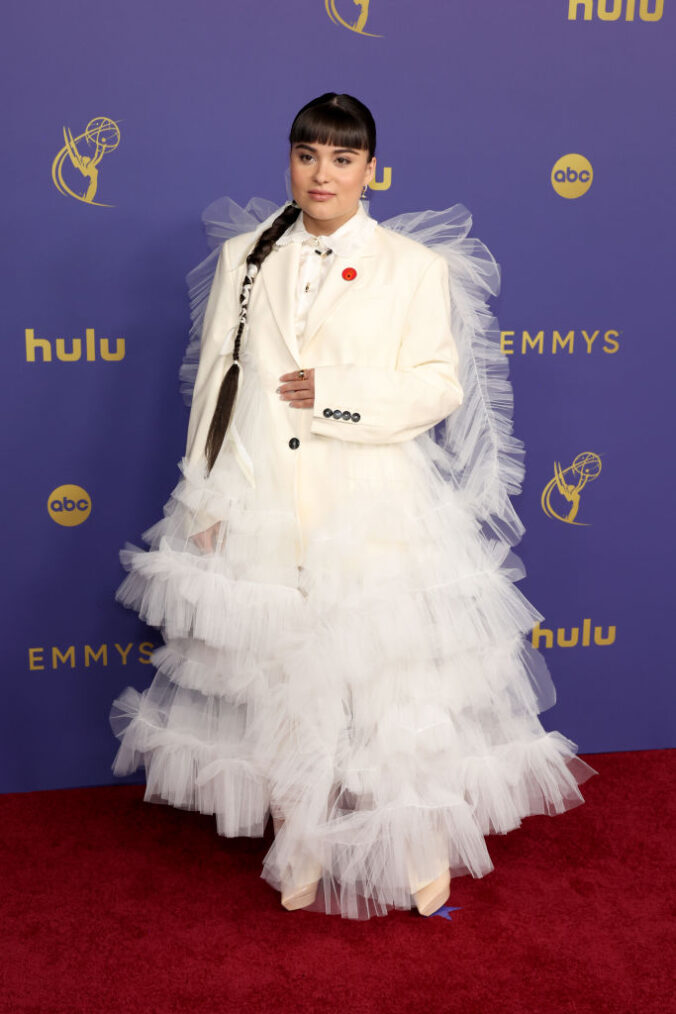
<point x="113" y="904"/>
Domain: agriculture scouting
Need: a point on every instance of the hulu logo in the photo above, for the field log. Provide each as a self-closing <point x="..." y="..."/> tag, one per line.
<point x="571" y="638"/>
<point x="73" y="350"/>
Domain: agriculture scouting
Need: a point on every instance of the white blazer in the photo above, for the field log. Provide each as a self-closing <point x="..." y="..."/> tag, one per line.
<point x="380" y="342"/>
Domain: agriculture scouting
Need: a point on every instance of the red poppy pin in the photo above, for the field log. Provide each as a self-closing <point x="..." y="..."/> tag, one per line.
<point x="349" y="274"/>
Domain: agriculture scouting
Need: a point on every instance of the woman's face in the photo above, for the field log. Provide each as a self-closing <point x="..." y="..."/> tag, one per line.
<point x="327" y="182"/>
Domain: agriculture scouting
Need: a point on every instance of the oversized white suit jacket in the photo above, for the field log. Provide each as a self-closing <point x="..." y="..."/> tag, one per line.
<point x="380" y="342"/>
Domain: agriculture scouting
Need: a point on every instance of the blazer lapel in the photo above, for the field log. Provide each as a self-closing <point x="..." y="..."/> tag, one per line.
<point x="335" y="288"/>
<point x="279" y="273"/>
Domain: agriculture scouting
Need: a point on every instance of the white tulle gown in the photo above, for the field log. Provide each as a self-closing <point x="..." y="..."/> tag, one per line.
<point x="383" y="696"/>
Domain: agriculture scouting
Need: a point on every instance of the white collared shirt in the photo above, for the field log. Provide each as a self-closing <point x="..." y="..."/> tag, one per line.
<point x="317" y="254"/>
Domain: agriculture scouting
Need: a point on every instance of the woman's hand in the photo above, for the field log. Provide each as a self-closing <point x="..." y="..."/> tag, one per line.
<point x="299" y="393"/>
<point x="205" y="539"/>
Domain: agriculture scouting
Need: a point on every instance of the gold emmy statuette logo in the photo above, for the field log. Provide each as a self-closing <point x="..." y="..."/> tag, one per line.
<point x="585" y="468"/>
<point x="84" y="154"/>
<point x="572" y="175"/>
<point x="615" y="10"/>
<point x="69" y="505"/>
<point x="359" y="24"/>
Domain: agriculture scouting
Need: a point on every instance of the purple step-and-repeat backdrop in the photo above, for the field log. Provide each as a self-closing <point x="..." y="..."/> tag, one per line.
<point x="549" y="119"/>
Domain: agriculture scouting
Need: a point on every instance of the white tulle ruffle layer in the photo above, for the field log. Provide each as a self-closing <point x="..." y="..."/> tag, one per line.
<point x="381" y="695"/>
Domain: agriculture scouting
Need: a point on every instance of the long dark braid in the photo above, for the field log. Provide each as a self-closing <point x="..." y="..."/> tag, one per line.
<point x="331" y="118"/>
<point x="228" y="390"/>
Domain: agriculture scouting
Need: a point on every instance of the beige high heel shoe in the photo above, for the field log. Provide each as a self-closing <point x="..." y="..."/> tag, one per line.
<point x="430" y="897"/>
<point x="299" y="897"/>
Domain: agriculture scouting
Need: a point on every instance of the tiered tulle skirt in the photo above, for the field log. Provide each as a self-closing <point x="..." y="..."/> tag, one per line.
<point x="353" y="659"/>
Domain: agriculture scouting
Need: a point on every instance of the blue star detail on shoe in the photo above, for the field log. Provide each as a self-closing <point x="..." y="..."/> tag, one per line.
<point x="445" y="910"/>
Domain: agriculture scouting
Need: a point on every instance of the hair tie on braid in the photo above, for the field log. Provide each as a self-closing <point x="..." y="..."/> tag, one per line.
<point x="229" y="384"/>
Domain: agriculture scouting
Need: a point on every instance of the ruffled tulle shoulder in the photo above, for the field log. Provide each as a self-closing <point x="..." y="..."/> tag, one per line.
<point x="487" y="460"/>
<point x="222" y="220"/>
<point x="476" y="449"/>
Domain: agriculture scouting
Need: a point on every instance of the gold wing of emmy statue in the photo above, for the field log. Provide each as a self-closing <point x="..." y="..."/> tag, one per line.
<point x="86" y="165"/>
<point x="566" y="490"/>
<point x="357" y="26"/>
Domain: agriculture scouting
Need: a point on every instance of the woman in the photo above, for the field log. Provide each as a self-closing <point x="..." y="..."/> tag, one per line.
<point x="344" y="645"/>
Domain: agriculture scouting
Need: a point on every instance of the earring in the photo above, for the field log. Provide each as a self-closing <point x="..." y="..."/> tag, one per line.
<point x="363" y="193"/>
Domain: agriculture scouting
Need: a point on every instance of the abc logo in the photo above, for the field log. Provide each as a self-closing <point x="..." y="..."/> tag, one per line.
<point x="572" y="175"/>
<point x="69" y="505"/>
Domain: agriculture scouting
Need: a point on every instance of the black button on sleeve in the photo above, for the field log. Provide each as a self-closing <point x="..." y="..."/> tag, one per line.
<point x="355" y="417"/>
<point x="346" y="415"/>
<point x="294" y="443"/>
<point x="337" y="413"/>
<point x="328" y="412"/>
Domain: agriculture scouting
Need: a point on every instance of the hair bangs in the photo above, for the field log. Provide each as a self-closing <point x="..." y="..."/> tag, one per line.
<point x="328" y="123"/>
